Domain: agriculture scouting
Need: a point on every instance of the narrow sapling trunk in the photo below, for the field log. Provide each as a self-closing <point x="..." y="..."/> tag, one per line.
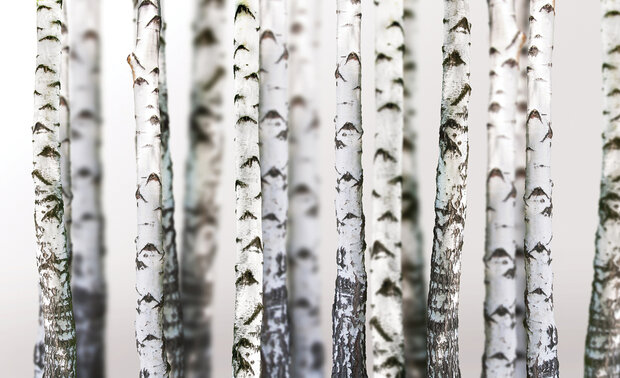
<point x="57" y="358"/>
<point x="349" y="311"/>
<point x="542" y="335"/>
<point x="249" y="267"/>
<point x="450" y="202"/>
<point x="385" y="254"/>
<point x="144" y="62"/>
<point x="602" y="358"/>
<point x="203" y="172"/>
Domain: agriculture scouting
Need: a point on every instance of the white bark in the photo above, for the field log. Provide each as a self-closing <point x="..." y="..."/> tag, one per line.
<point x="385" y="254"/>
<point x="53" y="257"/>
<point x="349" y="311"/>
<point x="414" y="284"/>
<point x="542" y="334"/>
<point x="203" y="171"/>
<point x="273" y="124"/>
<point x="304" y="226"/>
<point x="249" y="267"/>
<point x="144" y="62"/>
<point x="88" y="281"/>
<point x="602" y="358"/>
<point x="499" y="307"/>
<point x="450" y="201"/>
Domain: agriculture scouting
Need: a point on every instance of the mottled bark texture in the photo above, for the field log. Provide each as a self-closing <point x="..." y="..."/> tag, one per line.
<point x="246" y="358"/>
<point x="499" y="306"/>
<point x="273" y="125"/>
<point x="203" y="172"/>
<point x="386" y="319"/>
<point x="307" y="350"/>
<point x="144" y="62"/>
<point x="450" y="201"/>
<point x="602" y="358"/>
<point x="57" y="357"/>
<point x="542" y="335"/>
<point x="88" y="281"/>
<point x="349" y="310"/>
<point x="414" y="283"/>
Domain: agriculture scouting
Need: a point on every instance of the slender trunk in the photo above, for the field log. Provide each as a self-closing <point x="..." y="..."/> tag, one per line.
<point x="144" y="62"/>
<point x="349" y="311"/>
<point x="273" y="125"/>
<point x="249" y="267"/>
<point x="385" y="255"/>
<point x="304" y="227"/>
<point x="53" y="255"/>
<point x="88" y="281"/>
<point x="542" y="335"/>
<point x="414" y="284"/>
<point x="499" y="307"/>
<point x="602" y="358"/>
<point x="173" y="316"/>
<point x="450" y="202"/>
<point x="203" y="172"/>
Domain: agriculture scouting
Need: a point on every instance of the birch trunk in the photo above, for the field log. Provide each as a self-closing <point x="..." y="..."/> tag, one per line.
<point x="414" y="285"/>
<point x="385" y="255"/>
<point x="249" y="267"/>
<point x="144" y="62"/>
<point x="173" y="316"/>
<point x="450" y="202"/>
<point x="88" y="281"/>
<point x="303" y="242"/>
<point x="273" y="125"/>
<point x="349" y="311"/>
<point x="602" y="357"/>
<point x="203" y="172"/>
<point x="542" y="335"/>
<point x="53" y="255"/>
<point x="499" y="308"/>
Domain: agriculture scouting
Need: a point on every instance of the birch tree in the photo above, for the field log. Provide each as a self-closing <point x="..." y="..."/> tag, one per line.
<point x="385" y="255"/>
<point x="304" y="227"/>
<point x="88" y="280"/>
<point x="349" y="311"/>
<point x="203" y="172"/>
<point x="602" y="358"/>
<point x="273" y="126"/>
<point x="414" y="285"/>
<point x="249" y="268"/>
<point x="542" y="335"/>
<point x="144" y="62"/>
<point x="53" y="254"/>
<point x="450" y="202"/>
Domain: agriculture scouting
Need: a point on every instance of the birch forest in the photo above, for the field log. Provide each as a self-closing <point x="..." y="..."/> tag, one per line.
<point x="307" y="188"/>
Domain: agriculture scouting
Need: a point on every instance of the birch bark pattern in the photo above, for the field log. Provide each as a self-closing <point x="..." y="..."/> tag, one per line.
<point x="414" y="283"/>
<point x="246" y="357"/>
<point x="144" y="62"/>
<point x="88" y="280"/>
<point x="273" y="125"/>
<point x="349" y="310"/>
<point x="53" y="257"/>
<point x="602" y="358"/>
<point x="499" y="307"/>
<point x="203" y="173"/>
<point x="450" y="201"/>
<point x="542" y="335"/>
<point x="385" y="254"/>
<point x="307" y="350"/>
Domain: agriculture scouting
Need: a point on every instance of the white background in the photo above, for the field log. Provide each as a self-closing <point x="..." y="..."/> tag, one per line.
<point x="576" y="170"/>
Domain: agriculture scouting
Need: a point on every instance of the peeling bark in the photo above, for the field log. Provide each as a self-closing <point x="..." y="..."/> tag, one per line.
<point x="450" y="202"/>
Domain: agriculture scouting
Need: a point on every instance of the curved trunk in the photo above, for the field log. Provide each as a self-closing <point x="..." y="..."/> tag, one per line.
<point x="450" y="201"/>
<point x="542" y="335"/>
<point x="349" y="311"/>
